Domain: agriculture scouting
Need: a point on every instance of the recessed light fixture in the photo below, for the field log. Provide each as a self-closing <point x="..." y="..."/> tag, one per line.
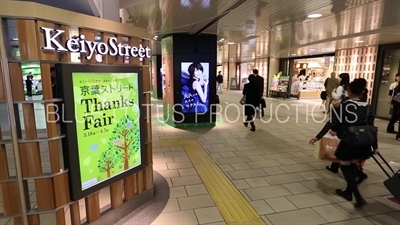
<point x="360" y="41"/>
<point x="294" y="54"/>
<point x="221" y="39"/>
<point x="231" y="43"/>
<point x="315" y="15"/>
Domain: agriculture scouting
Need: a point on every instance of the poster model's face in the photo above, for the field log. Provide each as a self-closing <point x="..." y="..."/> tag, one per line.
<point x="195" y="87"/>
<point x="107" y="124"/>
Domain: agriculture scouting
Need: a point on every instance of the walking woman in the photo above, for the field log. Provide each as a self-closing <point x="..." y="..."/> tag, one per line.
<point x="338" y="96"/>
<point x="353" y="112"/>
<point x="252" y="93"/>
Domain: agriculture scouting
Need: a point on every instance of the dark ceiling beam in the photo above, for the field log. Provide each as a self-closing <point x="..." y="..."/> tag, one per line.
<point x="79" y="6"/>
<point x="216" y="19"/>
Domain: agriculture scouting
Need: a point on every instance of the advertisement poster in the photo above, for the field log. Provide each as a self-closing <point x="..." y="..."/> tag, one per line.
<point x="233" y="84"/>
<point x="195" y="87"/>
<point x="107" y="125"/>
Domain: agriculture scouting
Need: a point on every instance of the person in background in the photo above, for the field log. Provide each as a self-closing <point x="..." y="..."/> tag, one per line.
<point x="53" y="82"/>
<point x="28" y="84"/>
<point x="252" y="92"/>
<point x="338" y="95"/>
<point x="259" y="80"/>
<point x="331" y="83"/>
<point x="393" y="90"/>
<point x="341" y="92"/>
<point x="357" y="113"/>
<point x="295" y="87"/>
<point x="220" y="80"/>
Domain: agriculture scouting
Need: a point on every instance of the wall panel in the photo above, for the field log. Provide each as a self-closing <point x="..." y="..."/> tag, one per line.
<point x="27" y="39"/>
<point x="359" y="63"/>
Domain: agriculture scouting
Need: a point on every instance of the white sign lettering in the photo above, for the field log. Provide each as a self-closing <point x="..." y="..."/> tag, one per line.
<point x="91" y="48"/>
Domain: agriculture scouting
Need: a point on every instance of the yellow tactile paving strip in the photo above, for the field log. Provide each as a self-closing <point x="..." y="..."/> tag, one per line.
<point x="234" y="208"/>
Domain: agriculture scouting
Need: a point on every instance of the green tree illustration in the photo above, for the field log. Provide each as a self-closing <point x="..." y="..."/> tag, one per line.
<point x="107" y="161"/>
<point x="124" y="139"/>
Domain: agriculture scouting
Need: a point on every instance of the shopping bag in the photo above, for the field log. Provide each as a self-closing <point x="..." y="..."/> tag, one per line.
<point x="243" y="100"/>
<point x="326" y="148"/>
<point x="263" y="103"/>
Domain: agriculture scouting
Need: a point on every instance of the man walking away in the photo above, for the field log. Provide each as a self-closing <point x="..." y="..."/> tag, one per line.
<point x="220" y="80"/>
<point x="330" y="84"/>
<point x="260" y="83"/>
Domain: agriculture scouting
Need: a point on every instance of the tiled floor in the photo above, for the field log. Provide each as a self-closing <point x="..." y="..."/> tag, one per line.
<point x="274" y="168"/>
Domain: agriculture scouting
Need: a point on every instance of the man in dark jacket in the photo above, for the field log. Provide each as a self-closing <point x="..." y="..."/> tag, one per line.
<point x="260" y="82"/>
<point x="220" y="80"/>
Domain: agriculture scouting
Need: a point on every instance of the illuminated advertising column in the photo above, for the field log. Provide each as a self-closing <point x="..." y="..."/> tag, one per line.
<point x="189" y="64"/>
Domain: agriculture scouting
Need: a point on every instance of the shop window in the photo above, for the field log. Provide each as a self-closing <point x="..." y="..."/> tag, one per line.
<point x="75" y="56"/>
<point x="391" y="67"/>
<point x="125" y="42"/>
<point x="11" y="39"/>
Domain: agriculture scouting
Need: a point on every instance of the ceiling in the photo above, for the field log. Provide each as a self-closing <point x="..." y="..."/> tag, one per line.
<point x="275" y="28"/>
<point x="87" y="7"/>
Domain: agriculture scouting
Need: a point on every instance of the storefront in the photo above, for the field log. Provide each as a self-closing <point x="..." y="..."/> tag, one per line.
<point x="89" y="79"/>
<point x="306" y="76"/>
<point x="246" y="68"/>
<point x="387" y="66"/>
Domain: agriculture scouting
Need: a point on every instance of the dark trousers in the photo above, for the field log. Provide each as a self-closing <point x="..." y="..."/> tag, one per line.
<point x="29" y="91"/>
<point x="394" y="118"/>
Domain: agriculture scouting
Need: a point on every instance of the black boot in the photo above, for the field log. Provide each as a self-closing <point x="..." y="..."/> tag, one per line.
<point x="361" y="176"/>
<point x="398" y="136"/>
<point x="253" y="127"/>
<point x="246" y="124"/>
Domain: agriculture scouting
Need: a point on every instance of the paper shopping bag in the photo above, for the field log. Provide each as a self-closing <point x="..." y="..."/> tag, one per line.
<point x="326" y="148"/>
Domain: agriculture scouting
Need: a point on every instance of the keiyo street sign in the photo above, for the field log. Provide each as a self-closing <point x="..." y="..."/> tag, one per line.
<point x="91" y="48"/>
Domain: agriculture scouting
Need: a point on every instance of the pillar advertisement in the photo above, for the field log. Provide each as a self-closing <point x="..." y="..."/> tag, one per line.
<point x="107" y="115"/>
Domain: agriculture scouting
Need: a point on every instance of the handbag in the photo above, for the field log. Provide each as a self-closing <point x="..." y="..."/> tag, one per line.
<point x="243" y="100"/>
<point x="362" y="134"/>
<point x="396" y="98"/>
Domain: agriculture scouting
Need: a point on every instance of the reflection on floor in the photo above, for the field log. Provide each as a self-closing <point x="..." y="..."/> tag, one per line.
<point x="273" y="168"/>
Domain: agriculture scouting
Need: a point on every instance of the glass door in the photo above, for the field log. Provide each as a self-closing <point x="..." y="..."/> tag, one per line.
<point x="390" y="69"/>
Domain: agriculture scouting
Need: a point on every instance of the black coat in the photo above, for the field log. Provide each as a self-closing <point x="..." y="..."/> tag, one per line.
<point x="259" y="80"/>
<point x="253" y="98"/>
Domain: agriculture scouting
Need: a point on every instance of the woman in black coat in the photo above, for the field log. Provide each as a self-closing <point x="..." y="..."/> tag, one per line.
<point x="252" y="93"/>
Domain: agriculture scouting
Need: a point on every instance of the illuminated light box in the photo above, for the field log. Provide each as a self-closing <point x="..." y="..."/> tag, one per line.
<point x="101" y="120"/>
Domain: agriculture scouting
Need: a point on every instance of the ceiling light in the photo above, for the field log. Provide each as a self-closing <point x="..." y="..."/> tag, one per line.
<point x="315" y="15"/>
<point x="294" y="54"/>
<point x="231" y="43"/>
<point x="221" y="39"/>
<point x="360" y="41"/>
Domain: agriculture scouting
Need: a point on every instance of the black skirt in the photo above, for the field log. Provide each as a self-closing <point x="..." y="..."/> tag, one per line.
<point x="346" y="152"/>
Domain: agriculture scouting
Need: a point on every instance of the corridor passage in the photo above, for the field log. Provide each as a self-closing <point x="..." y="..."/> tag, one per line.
<point x="273" y="169"/>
